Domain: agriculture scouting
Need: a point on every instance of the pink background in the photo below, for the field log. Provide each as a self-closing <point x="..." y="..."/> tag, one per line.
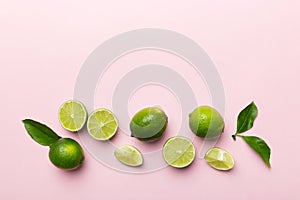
<point x="254" y="44"/>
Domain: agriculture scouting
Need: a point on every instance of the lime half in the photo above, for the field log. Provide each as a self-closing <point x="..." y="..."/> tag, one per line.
<point x="102" y="124"/>
<point x="129" y="155"/>
<point x="179" y="152"/>
<point x="219" y="159"/>
<point x="72" y="115"/>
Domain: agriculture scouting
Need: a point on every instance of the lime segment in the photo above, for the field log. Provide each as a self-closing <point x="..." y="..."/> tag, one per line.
<point x="129" y="155"/>
<point x="219" y="159"/>
<point x="102" y="124"/>
<point x="179" y="152"/>
<point x="72" y="115"/>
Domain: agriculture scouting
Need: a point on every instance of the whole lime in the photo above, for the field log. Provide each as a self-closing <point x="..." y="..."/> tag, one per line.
<point x="148" y="124"/>
<point x="206" y="121"/>
<point x="66" y="153"/>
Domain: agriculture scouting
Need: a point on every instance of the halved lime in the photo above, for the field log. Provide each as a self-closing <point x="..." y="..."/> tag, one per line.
<point x="129" y="155"/>
<point x="179" y="152"/>
<point x="219" y="159"/>
<point x="102" y="124"/>
<point x="72" y="115"/>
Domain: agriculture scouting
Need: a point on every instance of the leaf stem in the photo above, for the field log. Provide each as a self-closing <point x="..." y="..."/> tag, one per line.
<point x="234" y="137"/>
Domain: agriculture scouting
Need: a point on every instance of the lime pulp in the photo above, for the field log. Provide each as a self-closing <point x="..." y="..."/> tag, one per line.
<point x="129" y="155"/>
<point x="179" y="152"/>
<point x="219" y="159"/>
<point x="102" y="124"/>
<point x="72" y="115"/>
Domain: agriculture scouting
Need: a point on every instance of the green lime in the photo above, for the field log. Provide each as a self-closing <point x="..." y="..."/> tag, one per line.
<point x="129" y="155"/>
<point x="148" y="124"/>
<point x="72" y="115"/>
<point x="102" y="124"/>
<point x="66" y="153"/>
<point x="219" y="159"/>
<point x="206" y="122"/>
<point x="179" y="152"/>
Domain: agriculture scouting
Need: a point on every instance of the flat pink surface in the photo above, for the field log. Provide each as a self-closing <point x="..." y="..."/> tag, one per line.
<point x="254" y="44"/>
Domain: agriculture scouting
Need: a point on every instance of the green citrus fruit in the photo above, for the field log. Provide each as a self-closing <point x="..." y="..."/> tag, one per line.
<point x="129" y="155"/>
<point x="219" y="159"/>
<point x="66" y="153"/>
<point x="102" y="124"/>
<point x="72" y="115"/>
<point x="206" y="122"/>
<point x="148" y="124"/>
<point x="179" y="152"/>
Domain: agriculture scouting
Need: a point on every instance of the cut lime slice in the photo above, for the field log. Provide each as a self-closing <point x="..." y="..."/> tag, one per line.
<point x="102" y="124"/>
<point x="179" y="152"/>
<point x="129" y="155"/>
<point x="72" y="115"/>
<point x="219" y="159"/>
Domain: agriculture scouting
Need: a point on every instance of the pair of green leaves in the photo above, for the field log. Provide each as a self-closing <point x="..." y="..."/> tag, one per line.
<point x="245" y="122"/>
<point x="40" y="133"/>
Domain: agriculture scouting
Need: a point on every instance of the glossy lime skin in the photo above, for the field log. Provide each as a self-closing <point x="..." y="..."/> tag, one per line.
<point x="66" y="153"/>
<point x="206" y="122"/>
<point x="149" y="124"/>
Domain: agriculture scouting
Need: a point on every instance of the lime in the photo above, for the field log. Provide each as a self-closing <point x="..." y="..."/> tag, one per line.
<point x="206" y="122"/>
<point x="72" y="115"/>
<point x="219" y="159"/>
<point x="66" y="153"/>
<point x="179" y="152"/>
<point x="148" y="124"/>
<point x="129" y="155"/>
<point x="102" y="124"/>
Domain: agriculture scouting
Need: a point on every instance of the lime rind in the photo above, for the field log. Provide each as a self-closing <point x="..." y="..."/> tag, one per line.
<point x="72" y="115"/>
<point x="148" y="124"/>
<point x="206" y="122"/>
<point x="219" y="159"/>
<point x="66" y="154"/>
<point x="129" y="155"/>
<point x="102" y="124"/>
<point x="179" y="152"/>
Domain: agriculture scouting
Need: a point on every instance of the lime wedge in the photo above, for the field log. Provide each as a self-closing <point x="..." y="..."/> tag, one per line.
<point x="179" y="152"/>
<point x="102" y="124"/>
<point x="219" y="159"/>
<point x="129" y="155"/>
<point x="72" y="115"/>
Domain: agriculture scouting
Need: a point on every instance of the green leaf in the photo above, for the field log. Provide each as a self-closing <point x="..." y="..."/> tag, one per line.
<point x="246" y="118"/>
<point x="40" y="133"/>
<point x="260" y="146"/>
